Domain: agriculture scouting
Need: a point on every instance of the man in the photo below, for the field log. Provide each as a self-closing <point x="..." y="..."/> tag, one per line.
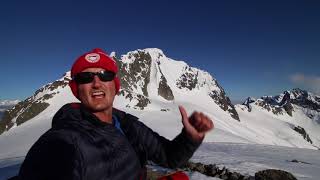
<point x="92" y="140"/>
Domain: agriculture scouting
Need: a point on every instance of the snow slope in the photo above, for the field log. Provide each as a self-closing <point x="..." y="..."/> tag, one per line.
<point x="249" y="158"/>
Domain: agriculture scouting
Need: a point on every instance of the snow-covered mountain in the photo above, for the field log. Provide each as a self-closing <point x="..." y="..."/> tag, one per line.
<point x="147" y="76"/>
<point x="33" y="105"/>
<point x="295" y="111"/>
<point x="152" y="83"/>
<point x="152" y="87"/>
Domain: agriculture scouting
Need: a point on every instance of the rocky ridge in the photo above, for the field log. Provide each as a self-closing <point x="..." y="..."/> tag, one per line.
<point x="284" y="102"/>
<point x="288" y="102"/>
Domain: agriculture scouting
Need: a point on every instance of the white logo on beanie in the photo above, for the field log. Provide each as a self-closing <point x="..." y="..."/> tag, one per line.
<point x="92" y="57"/>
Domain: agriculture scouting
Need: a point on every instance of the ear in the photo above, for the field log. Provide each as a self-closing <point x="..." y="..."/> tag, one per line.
<point x="117" y="84"/>
<point x="74" y="88"/>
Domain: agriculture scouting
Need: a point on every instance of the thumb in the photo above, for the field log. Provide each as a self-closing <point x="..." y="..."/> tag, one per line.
<point x="184" y="117"/>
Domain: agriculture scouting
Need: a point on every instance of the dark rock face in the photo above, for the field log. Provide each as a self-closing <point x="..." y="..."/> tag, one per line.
<point x="247" y="103"/>
<point x="303" y="132"/>
<point x="188" y="80"/>
<point x="301" y="99"/>
<point x="143" y="101"/>
<point x="274" y="174"/>
<point x="33" y="110"/>
<point x="288" y="108"/>
<point x="224" y="102"/>
<point x="132" y="73"/>
<point x="164" y="90"/>
<point x="135" y="71"/>
<point x="270" y="104"/>
<point x="286" y="99"/>
<point x="140" y="69"/>
<point x="286" y="103"/>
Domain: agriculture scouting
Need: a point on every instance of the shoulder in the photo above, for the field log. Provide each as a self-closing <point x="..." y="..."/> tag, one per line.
<point x="124" y="117"/>
<point x="53" y="147"/>
<point x="68" y="112"/>
<point x="54" y="140"/>
<point x="69" y="108"/>
<point x="51" y="153"/>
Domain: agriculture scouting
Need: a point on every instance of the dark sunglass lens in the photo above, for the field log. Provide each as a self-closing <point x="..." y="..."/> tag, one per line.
<point x="106" y="75"/>
<point x="87" y="77"/>
<point x="84" y="77"/>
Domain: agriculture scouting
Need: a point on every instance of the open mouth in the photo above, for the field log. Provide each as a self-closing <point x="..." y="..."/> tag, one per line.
<point x="98" y="94"/>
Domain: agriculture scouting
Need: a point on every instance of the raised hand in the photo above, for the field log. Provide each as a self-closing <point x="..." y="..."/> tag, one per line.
<point x="197" y="125"/>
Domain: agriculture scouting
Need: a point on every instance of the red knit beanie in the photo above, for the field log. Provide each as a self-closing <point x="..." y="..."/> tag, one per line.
<point x="96" y="58"/>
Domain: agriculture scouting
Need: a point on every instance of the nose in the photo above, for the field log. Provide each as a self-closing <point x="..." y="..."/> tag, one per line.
<point x="96" y="81"/>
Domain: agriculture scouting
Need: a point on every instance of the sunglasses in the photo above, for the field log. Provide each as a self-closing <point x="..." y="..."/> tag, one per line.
<point x="87" y="77"/>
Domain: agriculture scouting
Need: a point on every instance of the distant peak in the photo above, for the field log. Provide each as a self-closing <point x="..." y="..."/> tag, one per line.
<point x="67" y="74"/>
<point x="113" y="54"/>
<point x="249" y="100"/>
<point x="155" y="53"/>
<point x="297" y="90"/>
<point x="153" y="50"/>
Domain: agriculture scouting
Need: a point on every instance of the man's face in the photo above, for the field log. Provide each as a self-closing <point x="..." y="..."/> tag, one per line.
<point x="97" y="95"/>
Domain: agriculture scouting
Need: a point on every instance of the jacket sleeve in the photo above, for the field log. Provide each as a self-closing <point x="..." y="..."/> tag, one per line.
<point x="156" y="148"/>
<point x="50" y="158"/>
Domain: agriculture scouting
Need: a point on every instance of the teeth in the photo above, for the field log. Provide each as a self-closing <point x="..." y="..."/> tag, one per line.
<point x="97" y="93"/>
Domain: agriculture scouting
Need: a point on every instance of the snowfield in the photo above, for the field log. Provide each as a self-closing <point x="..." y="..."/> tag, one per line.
<point x="251" y="158"/>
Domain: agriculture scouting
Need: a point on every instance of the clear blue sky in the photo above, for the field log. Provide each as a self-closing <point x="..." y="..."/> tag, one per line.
<point x="252" y="48"/>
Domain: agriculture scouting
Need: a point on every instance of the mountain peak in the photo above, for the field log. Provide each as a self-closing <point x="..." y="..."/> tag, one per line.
<point x="149" y="53"/>
<point x="112" y="54"/>
<point x="249" y="100"/>
<point x="284" y="102"/>
<point x="153" y="51"/>
<point x="156" y="54"/>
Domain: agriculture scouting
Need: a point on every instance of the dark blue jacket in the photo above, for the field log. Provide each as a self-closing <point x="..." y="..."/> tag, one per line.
<point x="81" y="147"/>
